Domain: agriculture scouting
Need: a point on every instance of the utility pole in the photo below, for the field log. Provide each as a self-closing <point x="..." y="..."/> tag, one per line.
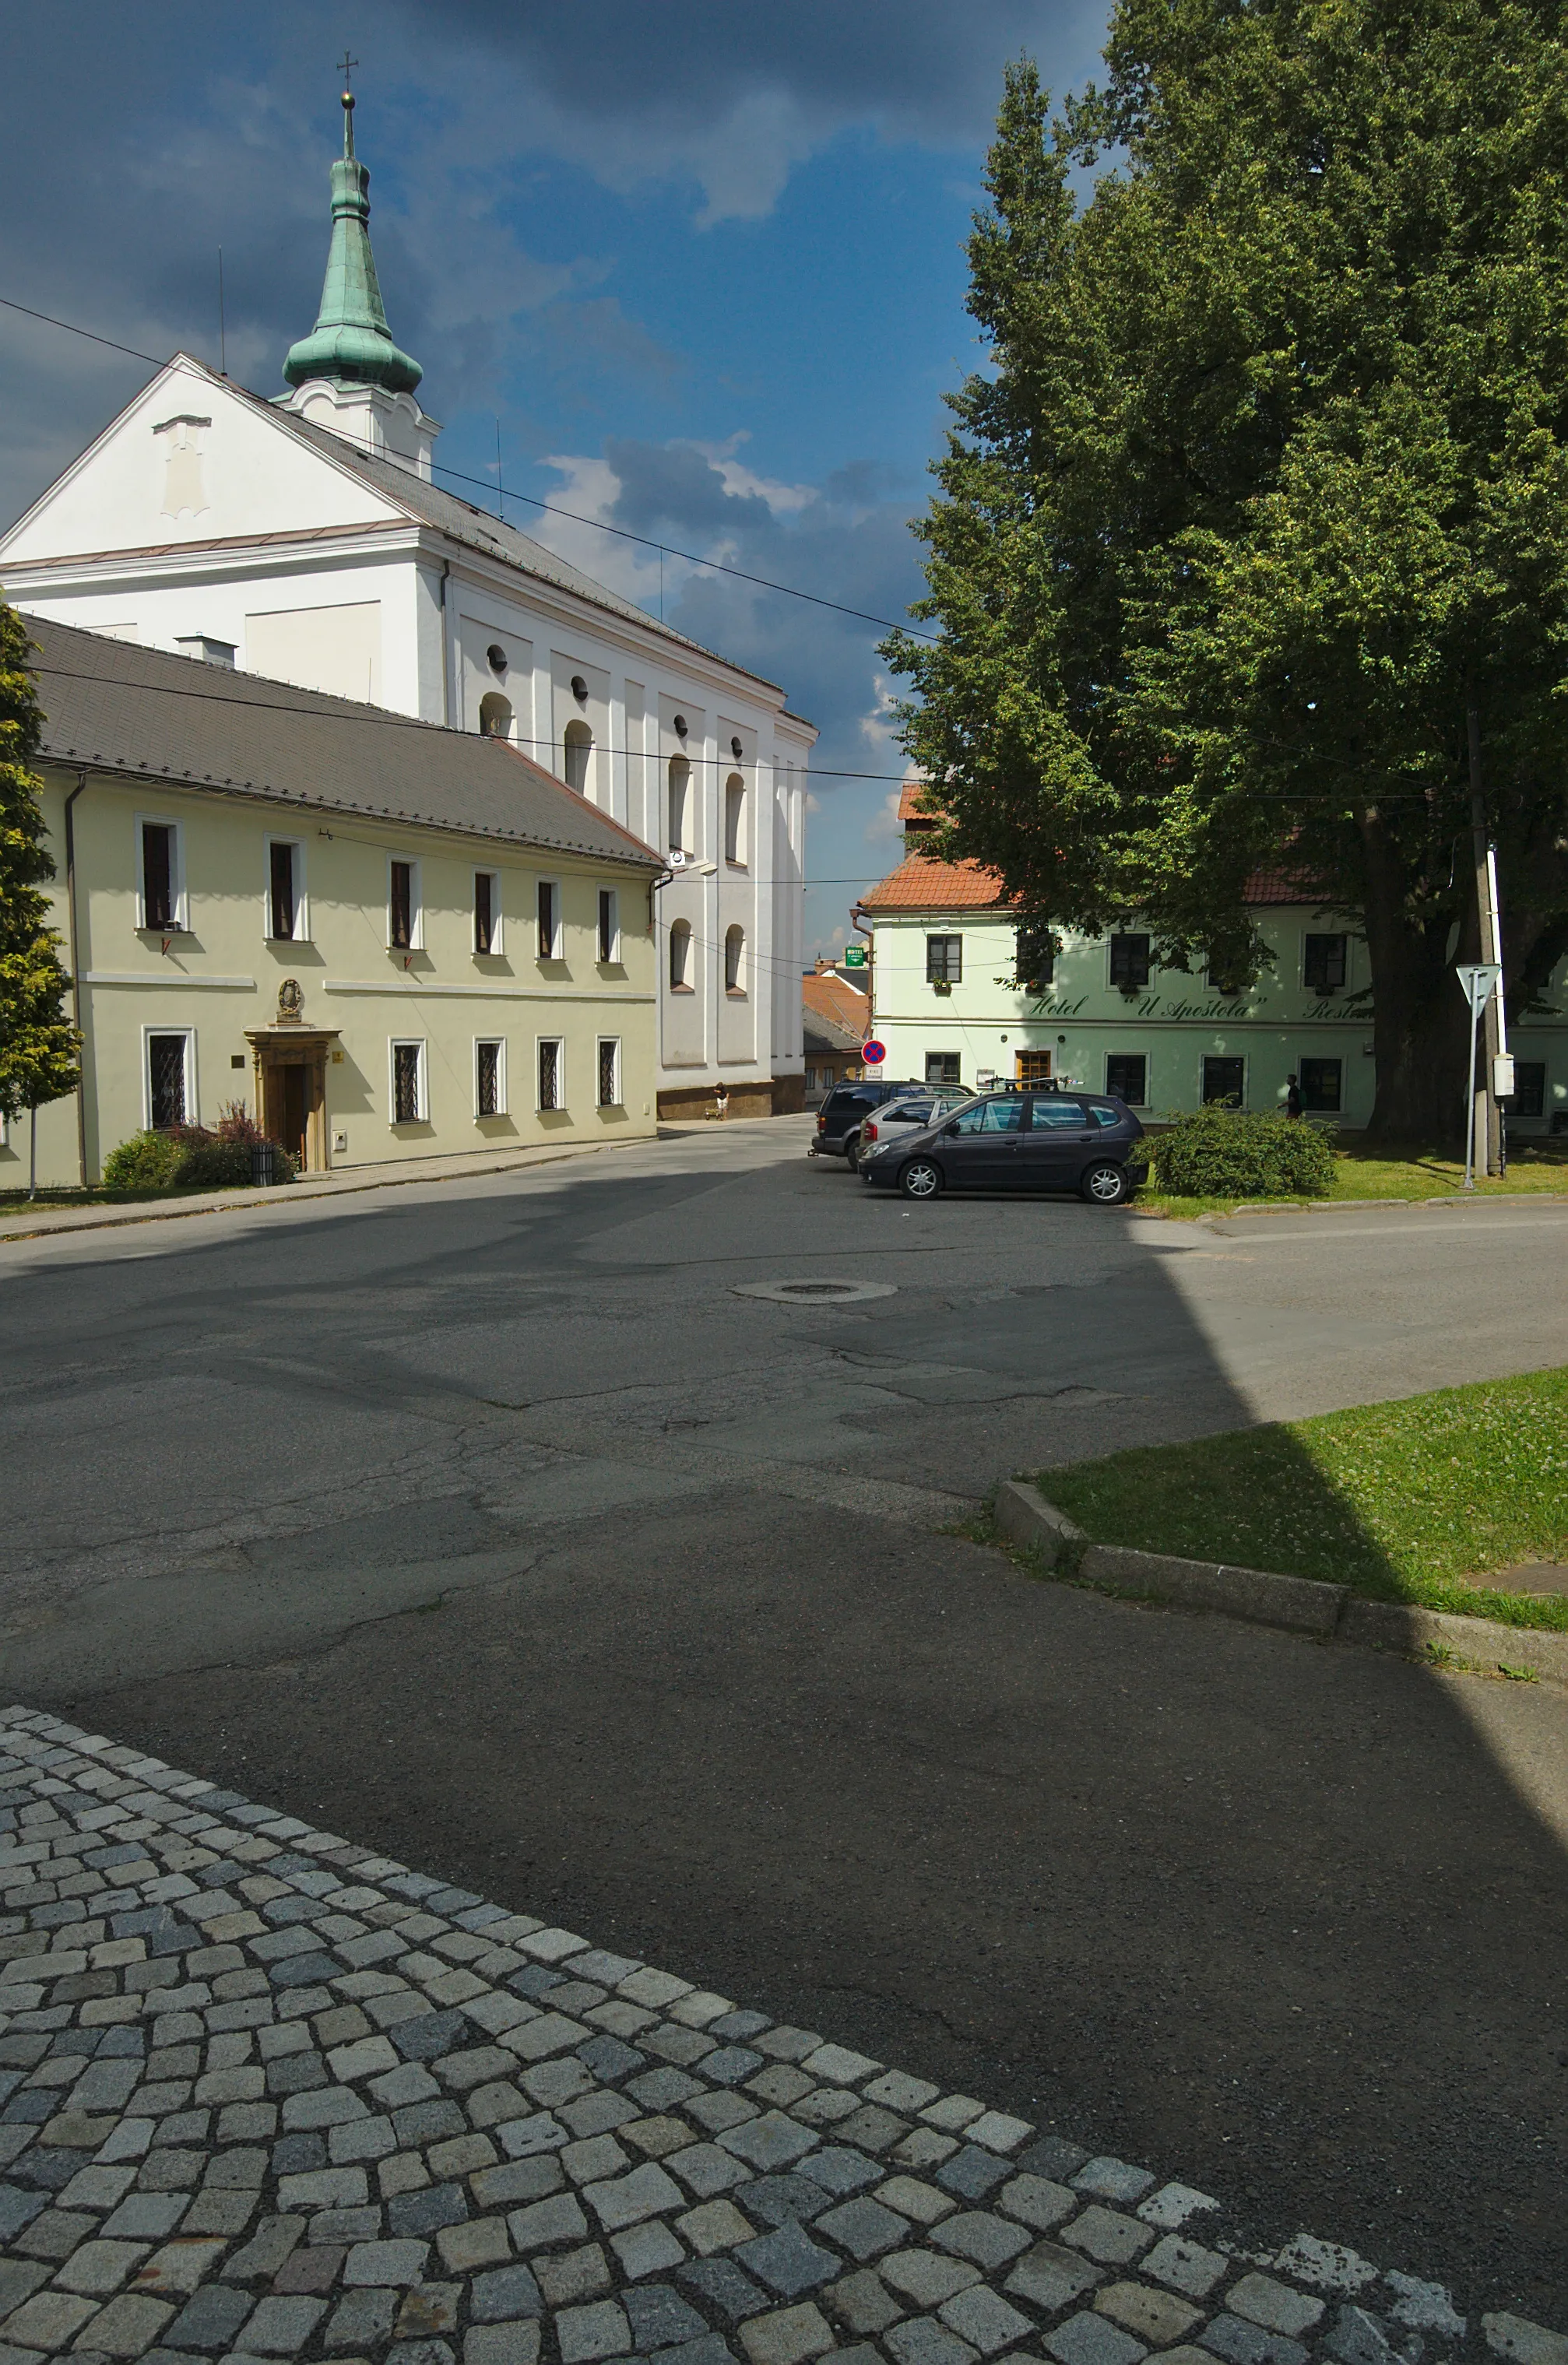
<point x="1486" y="1133"/>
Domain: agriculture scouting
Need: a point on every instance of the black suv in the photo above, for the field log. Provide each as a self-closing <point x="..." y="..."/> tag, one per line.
<point x="1019" y="1141"/>
<point x="840" y="1117"/>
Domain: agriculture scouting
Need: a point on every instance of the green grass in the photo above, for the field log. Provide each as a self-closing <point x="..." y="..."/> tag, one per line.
<point x="1413" y="1174"/>
<point x="1418" y="1501"/>
<point x="16" y="1202"/>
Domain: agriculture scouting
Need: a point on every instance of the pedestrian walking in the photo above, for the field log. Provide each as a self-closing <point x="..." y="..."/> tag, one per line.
<point x="1292" y="1097"/>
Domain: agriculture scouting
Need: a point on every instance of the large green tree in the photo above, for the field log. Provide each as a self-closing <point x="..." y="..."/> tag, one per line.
<point x="1258" y="514"/>
<point x="38" y="1044"/>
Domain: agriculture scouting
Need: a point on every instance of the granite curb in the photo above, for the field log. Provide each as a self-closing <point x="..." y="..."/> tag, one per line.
<point x="1301" y="1605"/>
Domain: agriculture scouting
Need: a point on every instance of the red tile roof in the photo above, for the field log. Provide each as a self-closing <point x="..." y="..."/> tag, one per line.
<point x="911" y="806"/>
<point x="920" y="884"/>
<point x="828" y="997"/>
<point x="1284" y="887"/>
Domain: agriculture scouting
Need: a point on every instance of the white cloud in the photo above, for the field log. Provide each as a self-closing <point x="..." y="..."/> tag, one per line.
<point x="884" y="823"/>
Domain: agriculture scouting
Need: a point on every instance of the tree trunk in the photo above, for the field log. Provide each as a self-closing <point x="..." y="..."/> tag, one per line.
<point x="1417" y="1010"/>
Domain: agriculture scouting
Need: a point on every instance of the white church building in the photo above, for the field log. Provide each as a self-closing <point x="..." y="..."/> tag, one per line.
<point x="303" y="538"/>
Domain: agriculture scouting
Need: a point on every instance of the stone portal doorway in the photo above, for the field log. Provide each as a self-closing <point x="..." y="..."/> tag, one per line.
<point x="291" y="1082"/>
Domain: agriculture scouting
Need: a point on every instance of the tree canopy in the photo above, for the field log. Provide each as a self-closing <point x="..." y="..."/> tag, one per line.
<point x="1264" y="488"/>
<point x="38" y="1042"/>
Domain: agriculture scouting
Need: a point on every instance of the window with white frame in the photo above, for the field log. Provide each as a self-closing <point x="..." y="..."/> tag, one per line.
<point x="734" y="819"/>
<point x="161" y="875"/>
<point x="405" y="916"/>
<point x="549" y="920"/>
<point x="610" y="1072"/>
<point x="169" y="1077"/>
<point x="487" y="911"/>
<point x="735" y="960"/>
<point x="410" y="1105"/>
<point x="552" y="1072"/>
<point x="490" y="1076"/>
<point x="287" y="920"/>
<point x="609" y="926"/>
<point x="1324" y="962"/>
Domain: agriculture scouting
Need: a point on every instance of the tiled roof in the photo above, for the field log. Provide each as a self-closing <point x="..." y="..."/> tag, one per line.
<point x="1284" y="887"/>
<point x="832" y="1000"/>
<point x="911" y="806"/>
<point x="118" y="706"/>
<point x="920" y="884"/>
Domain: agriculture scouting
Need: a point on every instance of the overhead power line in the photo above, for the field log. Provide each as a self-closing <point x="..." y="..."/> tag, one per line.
<point x="551" y="508"/>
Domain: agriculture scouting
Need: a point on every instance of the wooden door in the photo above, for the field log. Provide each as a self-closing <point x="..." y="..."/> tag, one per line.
<point x="295" y="1129"/>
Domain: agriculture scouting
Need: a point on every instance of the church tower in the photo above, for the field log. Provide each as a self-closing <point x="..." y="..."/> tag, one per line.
<point x="348" y="374"/>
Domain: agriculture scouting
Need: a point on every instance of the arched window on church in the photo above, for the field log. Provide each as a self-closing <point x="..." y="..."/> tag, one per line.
<point x="735" y="960"/>
<point x="577" y="747"/>
<point x="734" y="819"/>
<point x="680" y="957"/>
<point x="495" y="716"/>
<point x="679" y="805"/>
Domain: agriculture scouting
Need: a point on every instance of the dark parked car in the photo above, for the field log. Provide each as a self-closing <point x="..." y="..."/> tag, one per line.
<point x="1019" y="1141"/>
<point x="843" y="1113"/>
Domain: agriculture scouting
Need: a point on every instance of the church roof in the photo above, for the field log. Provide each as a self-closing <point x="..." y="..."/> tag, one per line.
<point x="186" y="723"/>
<point x="481" y="530"/>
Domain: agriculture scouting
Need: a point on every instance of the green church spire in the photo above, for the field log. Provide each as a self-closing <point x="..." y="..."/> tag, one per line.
<point x="351" y="342"/>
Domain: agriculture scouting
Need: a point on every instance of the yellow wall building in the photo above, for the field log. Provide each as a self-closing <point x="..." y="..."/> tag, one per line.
<point x="390" y="939"/>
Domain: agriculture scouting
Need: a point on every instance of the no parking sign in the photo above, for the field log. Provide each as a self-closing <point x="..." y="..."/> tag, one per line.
<point x="873" y="1052"/>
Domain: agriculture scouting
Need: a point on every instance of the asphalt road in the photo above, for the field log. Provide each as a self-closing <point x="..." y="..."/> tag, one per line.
<point x="488" y="1523"/>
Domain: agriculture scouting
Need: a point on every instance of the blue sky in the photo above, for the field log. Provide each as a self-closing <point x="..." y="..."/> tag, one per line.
<point x="705" y="262"/>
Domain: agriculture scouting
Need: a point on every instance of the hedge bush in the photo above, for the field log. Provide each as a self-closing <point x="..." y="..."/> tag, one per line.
<point x="190" y="1158"/>
<point x="145" y="1162"/>
<point x="1239" y="1154"/>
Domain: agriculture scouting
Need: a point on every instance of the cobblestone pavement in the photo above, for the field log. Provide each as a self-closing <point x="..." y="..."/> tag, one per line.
<point x="263" y="2094"/>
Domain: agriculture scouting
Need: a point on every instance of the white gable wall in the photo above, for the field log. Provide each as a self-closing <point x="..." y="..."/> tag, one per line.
<point x="188" y="438"/>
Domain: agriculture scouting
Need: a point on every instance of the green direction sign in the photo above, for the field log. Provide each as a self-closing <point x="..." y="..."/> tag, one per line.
<point x="854" y="956"/>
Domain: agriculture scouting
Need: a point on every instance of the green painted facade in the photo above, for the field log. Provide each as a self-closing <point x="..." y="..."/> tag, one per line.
<point x="1167" y="1044"/>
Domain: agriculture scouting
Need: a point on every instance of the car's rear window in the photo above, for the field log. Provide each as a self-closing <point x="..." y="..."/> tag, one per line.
<point x="1103" y="1114"/>
<point x="1055" y="1115"/>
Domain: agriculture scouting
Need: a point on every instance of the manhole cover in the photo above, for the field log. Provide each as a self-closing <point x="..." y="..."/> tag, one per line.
<point x="814" y="1293"/>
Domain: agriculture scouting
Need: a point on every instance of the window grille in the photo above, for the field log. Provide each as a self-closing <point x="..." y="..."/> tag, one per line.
<point x="166" y="1076"/>
<point x="489" y="1079"/>
<point x="550" y="1075"/>
<point x="484" y="911"/>
<point x="405" y="1109"/>
<point x="609" y="1074"/>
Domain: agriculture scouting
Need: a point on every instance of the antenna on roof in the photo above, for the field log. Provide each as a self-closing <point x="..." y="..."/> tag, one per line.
<point x="222" y="339"/>
<point x="500" y="494"/>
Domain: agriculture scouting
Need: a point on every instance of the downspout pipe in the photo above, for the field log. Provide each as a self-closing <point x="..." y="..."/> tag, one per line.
<point x="76" y="974"/>
<point x="445" y="650"/>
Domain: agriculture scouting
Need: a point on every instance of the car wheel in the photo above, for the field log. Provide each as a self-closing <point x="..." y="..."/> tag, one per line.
<point x="921" y="1178"/>
<point x="852" y="1153"/>
<point x="1106" y="1183"/>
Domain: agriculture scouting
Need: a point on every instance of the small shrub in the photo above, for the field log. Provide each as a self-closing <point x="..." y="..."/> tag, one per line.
<point x="212" y="1166"/>
<point x="1239" y="1154"/>
<point x="145" y="1162"/>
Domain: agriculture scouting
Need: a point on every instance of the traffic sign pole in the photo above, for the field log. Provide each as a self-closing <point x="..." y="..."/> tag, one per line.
<point x="1478" y="982"/>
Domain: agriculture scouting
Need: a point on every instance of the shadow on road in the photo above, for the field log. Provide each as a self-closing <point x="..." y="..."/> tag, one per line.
<point x="1280" y="1920"/>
